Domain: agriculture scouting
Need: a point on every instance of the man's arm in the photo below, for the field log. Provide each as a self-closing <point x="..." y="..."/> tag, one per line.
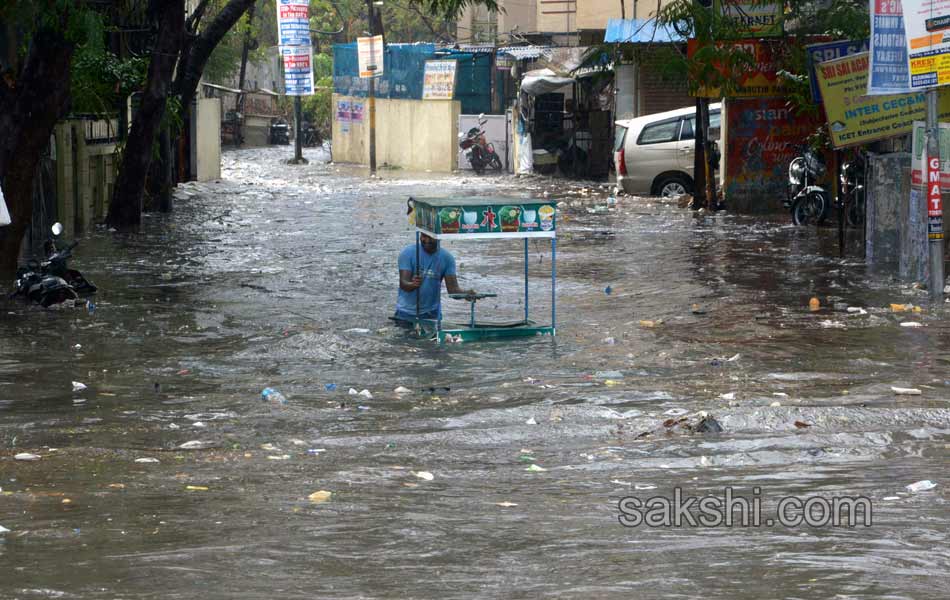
<point x="452" y="285"/>
<point x="409" y="282"/>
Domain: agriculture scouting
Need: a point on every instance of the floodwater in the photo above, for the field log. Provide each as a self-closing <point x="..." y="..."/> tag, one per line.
<point x="285" y="277"/>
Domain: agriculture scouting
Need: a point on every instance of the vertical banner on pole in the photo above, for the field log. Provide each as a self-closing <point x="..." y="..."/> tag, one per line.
<point x="934" y="201"/>
<point x="293" y="22"/>
<point x="889" y="72"/>
<point x="298" y="70"/>
<point x="370" y="54"/>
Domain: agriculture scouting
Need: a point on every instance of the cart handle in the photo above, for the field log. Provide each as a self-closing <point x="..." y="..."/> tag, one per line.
<point x="471" y="297"/>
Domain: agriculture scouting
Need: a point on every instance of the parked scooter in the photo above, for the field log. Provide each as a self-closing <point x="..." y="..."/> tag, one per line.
<point x="808" y="202"/>
<point x="52" y="281"/>
<point x="477" y="150"/>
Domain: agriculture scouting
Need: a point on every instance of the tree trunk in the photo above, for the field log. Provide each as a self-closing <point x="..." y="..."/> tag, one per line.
<point x="125" y="211"/>
<point x="28" y="114"/>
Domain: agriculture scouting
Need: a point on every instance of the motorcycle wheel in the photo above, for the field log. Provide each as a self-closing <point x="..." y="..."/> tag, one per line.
<point x="478" y="165"/>
<point x="811" y="209"/>
<point x="495" y="162"/>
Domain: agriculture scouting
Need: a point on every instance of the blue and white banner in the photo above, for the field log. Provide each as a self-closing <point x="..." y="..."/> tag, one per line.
<point x="889" y="72"/>
<point x="298" y="70"/>
<point x="293" y="22"/>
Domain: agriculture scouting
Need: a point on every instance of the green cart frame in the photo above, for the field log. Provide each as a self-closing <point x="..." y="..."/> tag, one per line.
<point x="488" y="219"/>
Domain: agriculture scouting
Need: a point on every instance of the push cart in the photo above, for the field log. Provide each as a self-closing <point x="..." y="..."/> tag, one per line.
<point x="488" y="219"/>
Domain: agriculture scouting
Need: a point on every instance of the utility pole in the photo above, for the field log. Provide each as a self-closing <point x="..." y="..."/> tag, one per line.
<point x="372" y="94"/>
<point x="298" y="132"/>
<point x="934" y="200"/>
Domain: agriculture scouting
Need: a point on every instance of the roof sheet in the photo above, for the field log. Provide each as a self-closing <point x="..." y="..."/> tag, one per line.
<point x="640" y="31"/>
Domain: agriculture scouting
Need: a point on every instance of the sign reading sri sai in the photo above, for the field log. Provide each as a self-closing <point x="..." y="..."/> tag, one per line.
<point x="856" y="118"/>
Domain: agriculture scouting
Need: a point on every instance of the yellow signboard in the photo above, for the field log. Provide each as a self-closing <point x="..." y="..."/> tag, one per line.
<point x="856" y="118"/>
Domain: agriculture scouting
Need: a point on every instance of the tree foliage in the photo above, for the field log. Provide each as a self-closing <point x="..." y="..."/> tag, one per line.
<point x="715" y="61"/>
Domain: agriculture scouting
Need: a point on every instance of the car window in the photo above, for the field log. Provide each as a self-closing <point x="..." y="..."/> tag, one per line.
<point x="688" y="132"/>
<point x="619" y="135"/>
<point x="715" y="123"/>
<point x="658" y="133"/>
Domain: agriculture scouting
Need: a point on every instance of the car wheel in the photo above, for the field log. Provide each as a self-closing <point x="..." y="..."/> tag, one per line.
<point x="671" y="186"/>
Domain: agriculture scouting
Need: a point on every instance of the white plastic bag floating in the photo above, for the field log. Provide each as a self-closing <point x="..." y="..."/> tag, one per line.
<point x="4" y="213"/>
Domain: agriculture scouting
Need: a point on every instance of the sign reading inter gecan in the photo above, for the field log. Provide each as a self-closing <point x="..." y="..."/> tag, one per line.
<point x="485" y="220"/>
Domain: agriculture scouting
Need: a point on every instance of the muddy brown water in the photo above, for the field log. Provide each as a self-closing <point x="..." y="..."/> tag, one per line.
<point x="285" y="277"/>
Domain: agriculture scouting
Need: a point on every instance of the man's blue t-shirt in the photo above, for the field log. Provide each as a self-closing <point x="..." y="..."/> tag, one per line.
<point x="433" y="268"/>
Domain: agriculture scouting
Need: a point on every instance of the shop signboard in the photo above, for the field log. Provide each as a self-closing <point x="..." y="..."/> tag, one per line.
<point x="856" y="118"/>
<point x="819" y="53"/>
<point x="927" y="25"/>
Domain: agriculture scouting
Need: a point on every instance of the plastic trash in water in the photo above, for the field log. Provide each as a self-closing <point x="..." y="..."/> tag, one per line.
<point x="78" y="386"/>
<point x="608" y="290"/>
<point x="921" y="486"/>
<point x="273" y="396"/>
<point x="330" y="387"/>
<point x="90" y="307"/>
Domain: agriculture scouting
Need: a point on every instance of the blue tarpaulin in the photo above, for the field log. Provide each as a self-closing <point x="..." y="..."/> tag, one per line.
<point x="404" y="71"/>
<point x="639" y="31"/>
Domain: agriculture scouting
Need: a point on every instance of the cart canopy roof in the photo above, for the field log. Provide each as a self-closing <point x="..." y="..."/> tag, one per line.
<point x="485" y="217"/>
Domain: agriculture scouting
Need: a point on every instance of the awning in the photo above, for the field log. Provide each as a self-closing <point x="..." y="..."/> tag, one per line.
<point x="543" y="81"/>
<point x="639" y="31"/>
<point x="525" y="52"/>
<point x="220" y="87"/>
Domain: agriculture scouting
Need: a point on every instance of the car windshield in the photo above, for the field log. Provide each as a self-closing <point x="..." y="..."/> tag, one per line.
<point x="619" y="135"/>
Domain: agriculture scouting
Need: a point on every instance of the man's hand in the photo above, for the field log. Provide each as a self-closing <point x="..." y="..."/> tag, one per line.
<point x="416" y="282"/>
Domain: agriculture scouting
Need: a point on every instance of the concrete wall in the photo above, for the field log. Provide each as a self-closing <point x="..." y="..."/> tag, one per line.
<point x="594" y="14"/>
<point x="208" y="139"/>
<point x="416" y="135"/>
<point x="888" y="195"/>
<point x="558" y="16"/>
<point x="85" y="175"/>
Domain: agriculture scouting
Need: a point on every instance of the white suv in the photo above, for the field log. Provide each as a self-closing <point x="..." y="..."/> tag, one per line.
<point x="654" y="154"/>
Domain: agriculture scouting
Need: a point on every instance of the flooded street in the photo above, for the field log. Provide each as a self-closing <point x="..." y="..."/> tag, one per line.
<point x="499" y="474"/>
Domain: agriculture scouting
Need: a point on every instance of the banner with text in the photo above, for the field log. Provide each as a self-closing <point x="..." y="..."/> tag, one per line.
<point x="439" y="80"/>
<point x="761" y="80"/>
<point x="370" y="53"/>
<point x="923" y="174"/>
<point x="889" y="73"/>
<point x="293" y="23"/>
<point x="752" y="18"/>
<point x="856" y="118"/>
<point x="927" y="23"/>
<point x="298" y="70"/>
<point x="819" y="53"/>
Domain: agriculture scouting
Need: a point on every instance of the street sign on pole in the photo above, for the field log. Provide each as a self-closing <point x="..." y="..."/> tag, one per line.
<point x="370" y="52"/>
<point x="298" y="70"/>
<point x="293" y="23"/>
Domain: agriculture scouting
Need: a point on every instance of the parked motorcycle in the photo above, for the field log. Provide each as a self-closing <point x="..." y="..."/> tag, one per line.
<point x="808" y="202"/>
<point x="310" y="135"/>
<point x="279" y="134"/>
<point x="852" y="191"/>
<point x="477" y="150"/>
<point x="52" y="281"/>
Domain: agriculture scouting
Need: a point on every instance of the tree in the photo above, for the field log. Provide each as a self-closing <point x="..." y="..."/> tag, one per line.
<point x="30" y="107"/>
<point x="125" y="210"/>
<point x="192" y="55"/>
